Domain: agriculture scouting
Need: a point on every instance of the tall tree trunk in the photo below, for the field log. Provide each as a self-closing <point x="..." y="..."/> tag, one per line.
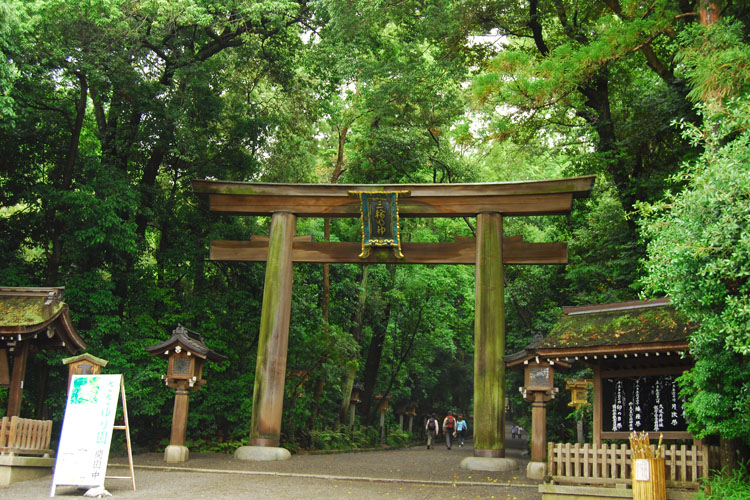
<point x="709" y="11"/>
<point x="374" y="355"/>
<point x="351" y="370"/>
<point x="326" y="299"/>
<point x="600" y="118"/>
<point x="54" y="260"/>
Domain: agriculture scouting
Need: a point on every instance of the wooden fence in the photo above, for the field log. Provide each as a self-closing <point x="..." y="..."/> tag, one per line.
<point x="611" y="464"/>
<point x="25" y="436"/>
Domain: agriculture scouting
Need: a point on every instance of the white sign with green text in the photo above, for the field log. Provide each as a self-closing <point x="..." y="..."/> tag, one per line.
<point x="86" y="433"/>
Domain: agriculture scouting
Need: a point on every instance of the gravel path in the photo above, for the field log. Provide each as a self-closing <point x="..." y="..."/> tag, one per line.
<point x="413" y="473"/>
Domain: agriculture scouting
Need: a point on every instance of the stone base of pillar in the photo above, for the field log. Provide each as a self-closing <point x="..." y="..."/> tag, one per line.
<point x="489" y="464"/>
<point x="489" y="453"/>
<point x="261" y="453"/>
<point x="176" y="453"/>
<point x="536" y="470"/>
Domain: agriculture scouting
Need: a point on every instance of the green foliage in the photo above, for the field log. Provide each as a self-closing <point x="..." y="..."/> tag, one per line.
<point x="343" y="440"/>
<point x="699" y="251"/>
<point x="399" y="438"/>
<point x="360" y="438"/>
<point x="732" y="486"/>
<point x="211" y="445"/>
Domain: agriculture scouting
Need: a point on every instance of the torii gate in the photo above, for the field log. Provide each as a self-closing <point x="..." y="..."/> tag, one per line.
<point x="488" y="202"/>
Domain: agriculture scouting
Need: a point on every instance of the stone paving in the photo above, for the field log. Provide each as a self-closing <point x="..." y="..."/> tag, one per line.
<point x="412" y="473"/>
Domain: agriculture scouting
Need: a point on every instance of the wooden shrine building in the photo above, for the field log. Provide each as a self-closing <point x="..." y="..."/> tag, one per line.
<point x="31" y="320"/>
<point x="636" y="350"/>
<point x="379" y="208"/>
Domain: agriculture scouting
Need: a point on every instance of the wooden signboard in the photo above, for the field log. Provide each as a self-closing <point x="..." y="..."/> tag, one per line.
<point x="86" y="434"/>
<point x="650" y="403"/>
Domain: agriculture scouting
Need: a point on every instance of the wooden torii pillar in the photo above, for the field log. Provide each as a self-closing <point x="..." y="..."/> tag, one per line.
<point x="488" y="202"/>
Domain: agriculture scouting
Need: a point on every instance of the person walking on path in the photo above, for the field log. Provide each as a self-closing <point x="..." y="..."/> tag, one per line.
<point x="431" y="428"/>
<point x="449" y="429"/>
<point x="460" y="430"/>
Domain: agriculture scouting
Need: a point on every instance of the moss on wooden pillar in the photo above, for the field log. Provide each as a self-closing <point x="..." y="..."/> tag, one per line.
<point x="489" y="339"/>
<point x="268" y="393"/>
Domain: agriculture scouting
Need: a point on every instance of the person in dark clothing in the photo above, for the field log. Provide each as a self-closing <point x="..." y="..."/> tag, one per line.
<point x="449" y="428"/>
<point x="431" y="428"/>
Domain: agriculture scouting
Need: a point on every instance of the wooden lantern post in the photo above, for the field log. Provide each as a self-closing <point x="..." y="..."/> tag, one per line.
<point x="538" y="389"/>
<point x="186" y="353"/>
<point x="383" y="409"/>
<point x="353" y="402"/>
<point x="412" y="412"/>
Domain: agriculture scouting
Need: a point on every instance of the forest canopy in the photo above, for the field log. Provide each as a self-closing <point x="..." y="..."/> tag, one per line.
<point x="109" y="109"/>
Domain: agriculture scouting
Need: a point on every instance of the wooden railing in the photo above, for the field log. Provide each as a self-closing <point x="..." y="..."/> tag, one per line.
<point x="25" y="436"/>
<point x="611" y="464"/>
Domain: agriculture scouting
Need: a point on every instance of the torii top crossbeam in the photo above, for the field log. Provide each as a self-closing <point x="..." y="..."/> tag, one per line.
<point x="546" y="197"/>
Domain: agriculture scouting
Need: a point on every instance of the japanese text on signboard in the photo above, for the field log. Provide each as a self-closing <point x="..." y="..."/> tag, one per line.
<point x="642" y="404"/>
<point x="86" y="434"/>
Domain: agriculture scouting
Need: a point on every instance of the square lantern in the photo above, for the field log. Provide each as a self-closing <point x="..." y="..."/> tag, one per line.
<point x="578" y="391"/>
<point x="538" y="376"/>
<point x="183" y="365"/>
<point x="186" y="352"/>
<point x="384" y="404"/>
<point x="357" y="390"/>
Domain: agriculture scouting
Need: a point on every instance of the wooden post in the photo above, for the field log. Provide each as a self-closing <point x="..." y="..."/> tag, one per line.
<point x="4" y="369"/>
<point x="579" y="431"/>
<point x="179" y="417"/>
<point x="597" y="405"/>
<point x="489" y="339"/>
<point x="538" y="428"/>
<point x="382" y="426"/>
<point x="411" y="424"/>
<point x="268" y="393"/>
<point x="15" y="393"/>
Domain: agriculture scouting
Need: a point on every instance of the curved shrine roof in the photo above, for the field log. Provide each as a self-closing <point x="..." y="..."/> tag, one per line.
<point x="38" y="315"/>
<point x="190" y="340"/>
<point x="621" y="324"/>
<point x="637" y="327"/>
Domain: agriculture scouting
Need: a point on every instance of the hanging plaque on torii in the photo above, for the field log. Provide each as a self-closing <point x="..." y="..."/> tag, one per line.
<point x="379" y="216"/>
